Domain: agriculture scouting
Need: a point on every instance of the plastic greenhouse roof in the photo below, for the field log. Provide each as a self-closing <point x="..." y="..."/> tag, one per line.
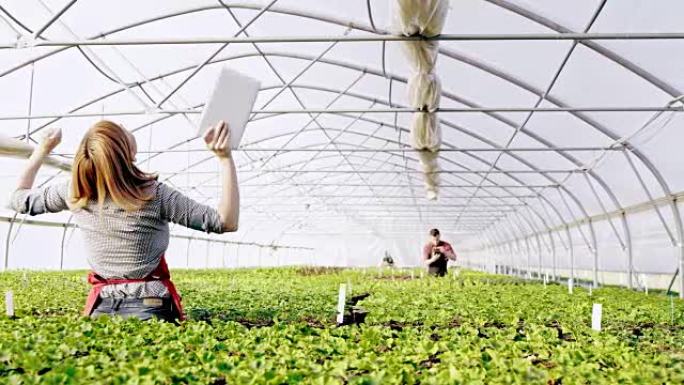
<point x="559" y="119"/>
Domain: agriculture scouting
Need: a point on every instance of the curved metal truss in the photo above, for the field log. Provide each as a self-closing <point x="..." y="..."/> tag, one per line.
<point x="545" y="212"/>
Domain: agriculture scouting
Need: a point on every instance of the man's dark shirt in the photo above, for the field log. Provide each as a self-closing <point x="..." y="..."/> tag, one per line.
<point x="438" y="267"/>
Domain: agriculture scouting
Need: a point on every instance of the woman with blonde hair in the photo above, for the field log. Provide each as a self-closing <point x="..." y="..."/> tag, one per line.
<point x="124" y="213"/>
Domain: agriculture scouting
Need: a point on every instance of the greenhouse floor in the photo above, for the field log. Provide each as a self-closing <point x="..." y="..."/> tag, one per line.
<point x="277" y="326"/>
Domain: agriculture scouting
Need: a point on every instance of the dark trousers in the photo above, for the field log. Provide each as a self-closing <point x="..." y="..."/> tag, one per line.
<point x="141" y="308"/>
<point x="437" y="271"/>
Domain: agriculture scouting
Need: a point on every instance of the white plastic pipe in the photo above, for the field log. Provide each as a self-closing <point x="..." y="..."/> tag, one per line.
<point x="14" y="148"/>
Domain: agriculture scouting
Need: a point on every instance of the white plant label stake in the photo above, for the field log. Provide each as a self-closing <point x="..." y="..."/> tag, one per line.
<point x="571" y="284"/>
<point x="596" y="313"/>
<point x="412" y="274"/>
<point x="544" y="281"/>
<point x="9" y="303"/>
<point x="645" y="283"/>
<point x="341" y="299"/>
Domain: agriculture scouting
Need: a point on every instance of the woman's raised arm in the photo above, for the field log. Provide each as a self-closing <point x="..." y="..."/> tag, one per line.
<point x="51" y="198"/>
<point x="217" y="139"/>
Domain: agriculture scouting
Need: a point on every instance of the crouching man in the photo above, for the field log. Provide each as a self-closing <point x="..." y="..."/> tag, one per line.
<point x="436" y="254"/>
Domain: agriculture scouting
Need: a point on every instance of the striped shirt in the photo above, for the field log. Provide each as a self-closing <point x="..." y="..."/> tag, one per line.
<point x="124" y="244"/>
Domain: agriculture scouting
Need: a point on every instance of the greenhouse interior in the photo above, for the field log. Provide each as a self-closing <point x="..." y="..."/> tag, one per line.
<point x="344" y="192"/>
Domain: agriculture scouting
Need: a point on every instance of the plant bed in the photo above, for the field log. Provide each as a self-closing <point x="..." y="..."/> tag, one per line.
<point x="277" y="326"/>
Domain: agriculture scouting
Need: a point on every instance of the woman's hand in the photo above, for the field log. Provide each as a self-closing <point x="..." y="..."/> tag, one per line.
<point x="50" y="140"/>
<point x="217" y="139"/>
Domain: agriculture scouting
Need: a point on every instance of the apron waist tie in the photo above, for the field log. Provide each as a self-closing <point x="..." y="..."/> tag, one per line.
<point x="161" y="274"/>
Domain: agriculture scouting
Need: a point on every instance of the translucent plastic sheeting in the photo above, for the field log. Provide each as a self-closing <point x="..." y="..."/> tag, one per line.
<point x="506" y="176"/>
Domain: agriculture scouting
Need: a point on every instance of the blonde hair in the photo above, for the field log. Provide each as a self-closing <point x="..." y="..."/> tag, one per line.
<point x="104" y="167"/>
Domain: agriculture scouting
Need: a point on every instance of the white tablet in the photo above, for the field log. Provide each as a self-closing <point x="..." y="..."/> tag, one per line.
<point x="231" y="100"/>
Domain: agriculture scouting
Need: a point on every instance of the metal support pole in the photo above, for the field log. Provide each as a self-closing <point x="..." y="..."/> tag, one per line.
<point x="672" y="281"/>
<point x="630" y="255"/>
<point x="499" y="244"/>
<point x="681" y="269"/>
<point x="554" y="273"/>
<point x="187" y="254"/>
<point x="54" y="18"/>
<point x="521" y="236"/>
<point x="7" y="241"/>
<point x="508" y="246"/>
<point x="506" y="250"/>
<point x="317" y="148"/>
<point x="650" y="198"/>
<point x="539" y="257"/>
<point x="604" y="209"/>
<point x="519" y="261"/>
<point x="63" y="244"/>
<point x="358" y="38"/>
<point x="529" y="257"/>
<point x="579" y="225"/>
<point x="680" y="243"/>
<point x="341" y="111"/>
<point x="543" y="203"/>
<point x="502" y="257"/>
<point x="572" y="255"/>
<point x="594" y="251"/>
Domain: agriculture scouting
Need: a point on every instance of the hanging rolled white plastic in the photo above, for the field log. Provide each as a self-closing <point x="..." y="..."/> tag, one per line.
<point x="423" y="18"/>
<point x="420" y="17"/>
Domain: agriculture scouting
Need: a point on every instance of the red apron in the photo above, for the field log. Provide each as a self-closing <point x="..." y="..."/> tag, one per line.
<point x="161" y="274"/>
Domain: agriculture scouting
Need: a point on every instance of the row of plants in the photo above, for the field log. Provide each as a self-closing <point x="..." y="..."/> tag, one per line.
<point x="277" y="326"/>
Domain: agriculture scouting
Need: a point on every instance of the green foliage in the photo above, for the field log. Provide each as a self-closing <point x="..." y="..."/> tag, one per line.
<point x="276" y="326"/>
